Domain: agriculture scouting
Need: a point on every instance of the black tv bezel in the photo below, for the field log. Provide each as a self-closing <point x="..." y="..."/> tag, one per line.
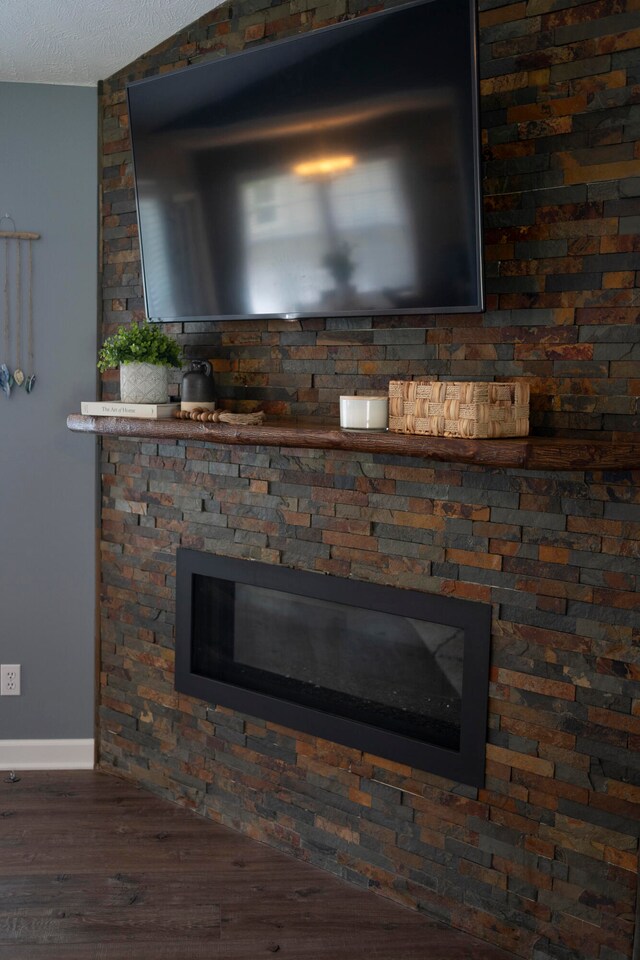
<point x="477" y="184"/>
<point x="465" y="765"/>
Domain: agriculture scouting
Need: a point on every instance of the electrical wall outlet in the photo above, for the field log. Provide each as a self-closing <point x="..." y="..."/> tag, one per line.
<point x="10" y="680"/>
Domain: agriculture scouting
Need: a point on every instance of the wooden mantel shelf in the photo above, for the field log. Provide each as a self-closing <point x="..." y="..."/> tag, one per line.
<point x="527" y="453"/>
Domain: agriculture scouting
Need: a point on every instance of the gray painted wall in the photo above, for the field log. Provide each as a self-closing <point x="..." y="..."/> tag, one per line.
<point x="48" y="183"/>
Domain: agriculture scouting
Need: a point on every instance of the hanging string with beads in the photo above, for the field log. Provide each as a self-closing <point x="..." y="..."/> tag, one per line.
<point x="17" y="377"/>
<point x="31" y="379"/>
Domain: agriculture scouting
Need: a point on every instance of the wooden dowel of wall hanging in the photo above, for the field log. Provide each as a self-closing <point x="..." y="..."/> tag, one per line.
<point x="18" y="235"/>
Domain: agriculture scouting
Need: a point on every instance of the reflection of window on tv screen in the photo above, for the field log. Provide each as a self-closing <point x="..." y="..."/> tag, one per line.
<point x="329" y="174"/>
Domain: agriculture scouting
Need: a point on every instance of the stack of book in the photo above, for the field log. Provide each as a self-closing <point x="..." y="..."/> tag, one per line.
<point x="117" y="408"/>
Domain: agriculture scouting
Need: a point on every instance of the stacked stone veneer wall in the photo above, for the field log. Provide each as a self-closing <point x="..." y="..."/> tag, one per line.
<point x="543" y="860"/>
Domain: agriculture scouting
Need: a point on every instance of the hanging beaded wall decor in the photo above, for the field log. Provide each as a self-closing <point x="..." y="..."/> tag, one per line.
<point x="17" y="286"/>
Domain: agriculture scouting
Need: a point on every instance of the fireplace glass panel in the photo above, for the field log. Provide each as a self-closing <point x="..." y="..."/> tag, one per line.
<point x="383" y="669"/>
<point x="376" y="668"/>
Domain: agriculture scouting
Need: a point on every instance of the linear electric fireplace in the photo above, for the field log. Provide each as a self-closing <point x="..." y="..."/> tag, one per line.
<point x="400" y="674"/>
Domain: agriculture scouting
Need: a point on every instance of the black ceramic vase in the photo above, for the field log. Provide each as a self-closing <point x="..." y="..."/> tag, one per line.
<point x="198" y="387"/>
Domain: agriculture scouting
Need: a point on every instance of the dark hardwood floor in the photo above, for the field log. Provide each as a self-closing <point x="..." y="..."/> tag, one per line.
<point x="92" y="868"/>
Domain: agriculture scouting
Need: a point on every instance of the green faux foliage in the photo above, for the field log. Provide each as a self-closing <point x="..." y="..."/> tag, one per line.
<point x="139" y="343"/>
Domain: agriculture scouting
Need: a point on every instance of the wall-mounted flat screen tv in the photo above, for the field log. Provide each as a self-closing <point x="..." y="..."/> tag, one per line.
<point x="334" y="173"/>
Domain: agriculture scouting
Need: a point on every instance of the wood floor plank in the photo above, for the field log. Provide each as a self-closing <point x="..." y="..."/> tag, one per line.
<point x="64" y="909"/>
<point x="318" y="948"/>
<point x="93" y="868"/>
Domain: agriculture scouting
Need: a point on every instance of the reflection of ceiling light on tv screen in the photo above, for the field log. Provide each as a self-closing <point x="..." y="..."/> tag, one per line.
<point x="324" y="166"/>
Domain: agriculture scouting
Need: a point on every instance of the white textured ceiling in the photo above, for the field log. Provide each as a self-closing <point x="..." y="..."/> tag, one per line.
<point x="83" y="41"/>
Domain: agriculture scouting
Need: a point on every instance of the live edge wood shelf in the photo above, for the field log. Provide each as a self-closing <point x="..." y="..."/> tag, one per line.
<point x="526" y="453"/>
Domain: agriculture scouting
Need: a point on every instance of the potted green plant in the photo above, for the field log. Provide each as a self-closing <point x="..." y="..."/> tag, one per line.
<point x="144" y="353"/>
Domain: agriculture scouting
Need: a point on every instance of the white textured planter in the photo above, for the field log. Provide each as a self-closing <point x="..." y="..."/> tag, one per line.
<point x="144" y="383"/>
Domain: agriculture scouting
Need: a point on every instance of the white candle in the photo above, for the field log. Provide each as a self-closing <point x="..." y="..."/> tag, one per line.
<point x="364" y="413"/>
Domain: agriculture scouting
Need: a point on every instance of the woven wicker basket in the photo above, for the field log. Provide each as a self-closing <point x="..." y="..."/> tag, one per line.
<point x="459" y="409"/>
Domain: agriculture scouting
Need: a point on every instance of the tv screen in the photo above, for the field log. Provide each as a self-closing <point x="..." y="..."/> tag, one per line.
<point x="335" y="173"/>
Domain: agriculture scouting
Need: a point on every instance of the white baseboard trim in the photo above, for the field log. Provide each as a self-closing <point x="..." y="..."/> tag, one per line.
<point x="46" y="755"/>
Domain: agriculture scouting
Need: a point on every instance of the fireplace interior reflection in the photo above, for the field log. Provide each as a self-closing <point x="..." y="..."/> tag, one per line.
<point x="390" y="671"/>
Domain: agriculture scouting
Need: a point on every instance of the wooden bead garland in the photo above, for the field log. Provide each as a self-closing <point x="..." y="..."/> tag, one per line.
<point x="221" y="416"/>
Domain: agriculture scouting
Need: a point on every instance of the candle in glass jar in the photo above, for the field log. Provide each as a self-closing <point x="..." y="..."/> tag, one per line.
<point x="364" y="413"/>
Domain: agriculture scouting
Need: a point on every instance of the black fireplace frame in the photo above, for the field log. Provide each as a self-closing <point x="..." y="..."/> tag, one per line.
<point x="466" y="765"/>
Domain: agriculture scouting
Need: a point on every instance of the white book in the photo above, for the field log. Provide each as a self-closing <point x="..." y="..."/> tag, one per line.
<point x="116" y="408"/>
